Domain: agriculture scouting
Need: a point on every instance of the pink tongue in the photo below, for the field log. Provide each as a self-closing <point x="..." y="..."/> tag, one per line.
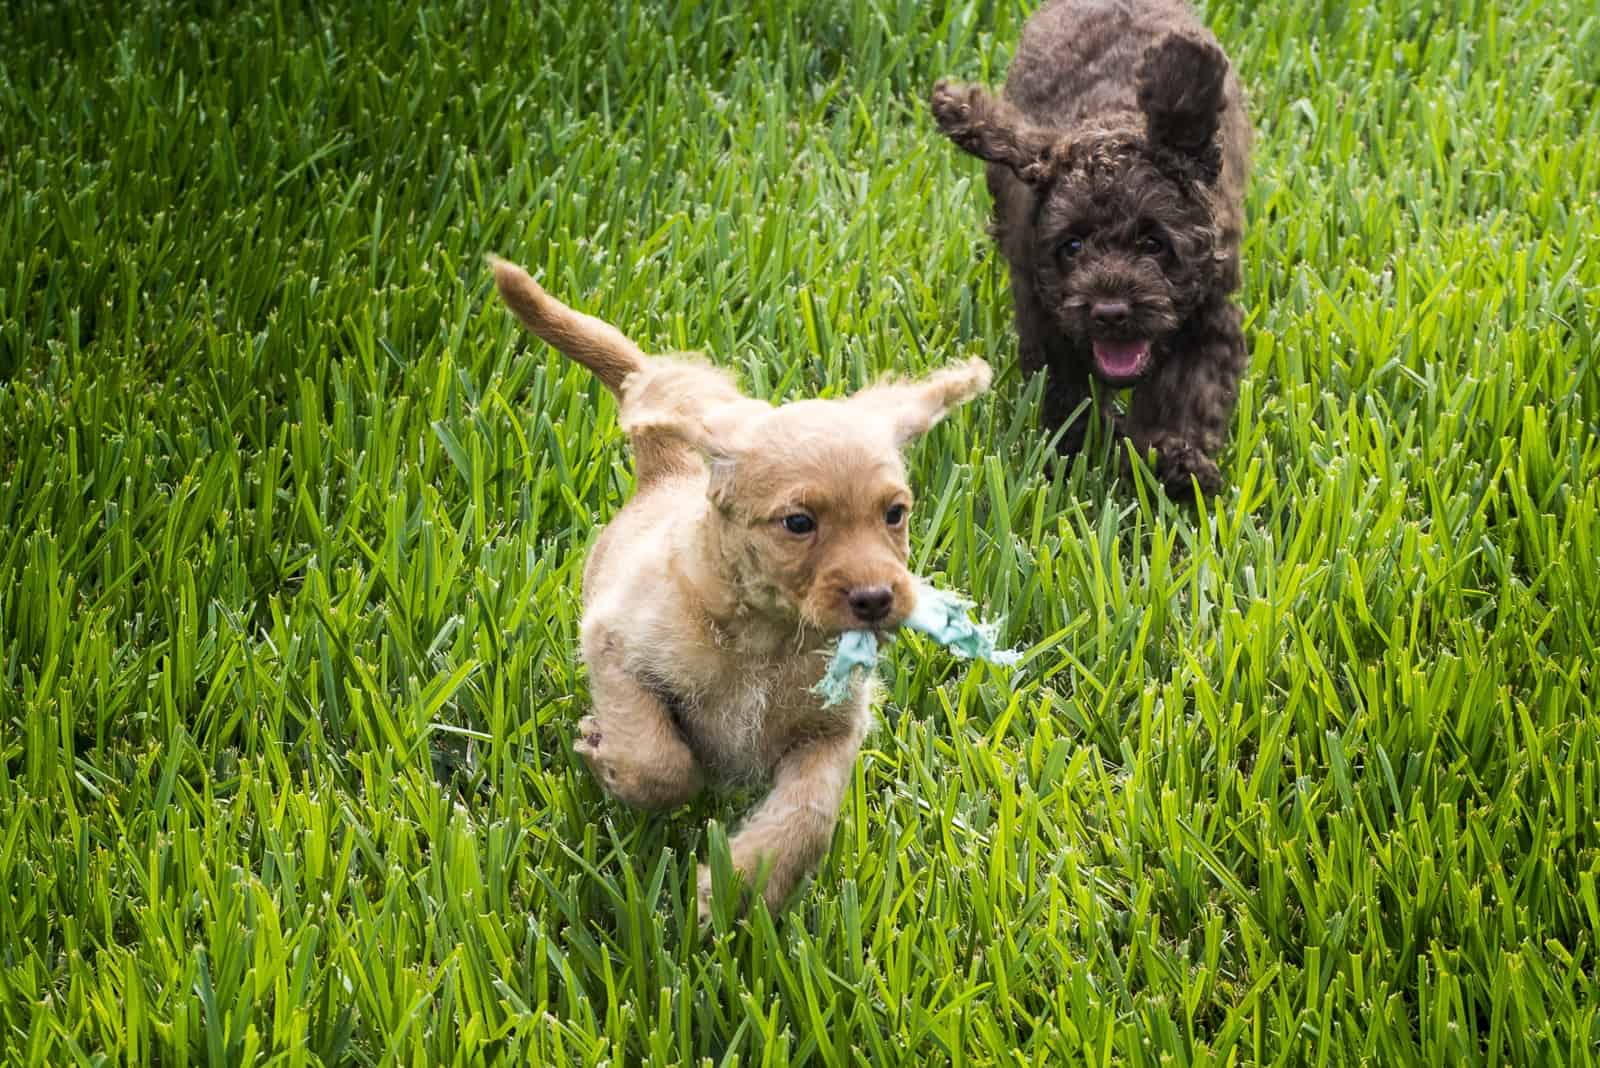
<point x="1120" y="357"/>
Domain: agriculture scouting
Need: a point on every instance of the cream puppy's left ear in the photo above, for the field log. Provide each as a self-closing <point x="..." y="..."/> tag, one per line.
<point x="911" y="408"/>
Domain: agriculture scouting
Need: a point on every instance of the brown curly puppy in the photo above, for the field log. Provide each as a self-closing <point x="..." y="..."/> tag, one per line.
<point x="1117" y="164"/>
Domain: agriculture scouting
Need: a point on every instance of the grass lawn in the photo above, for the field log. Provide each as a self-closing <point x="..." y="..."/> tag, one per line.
<point x="292" y="518"/>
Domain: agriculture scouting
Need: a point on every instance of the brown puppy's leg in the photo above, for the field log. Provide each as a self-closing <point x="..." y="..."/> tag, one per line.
<point x="785" y="838"/>
<point x="1183" y="410"/>
<point x="991" y="128"/>
<point x="631" y="745"/>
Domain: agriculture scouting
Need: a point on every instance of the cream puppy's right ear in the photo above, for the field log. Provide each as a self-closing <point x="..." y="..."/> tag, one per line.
<point x="676" y="404"/>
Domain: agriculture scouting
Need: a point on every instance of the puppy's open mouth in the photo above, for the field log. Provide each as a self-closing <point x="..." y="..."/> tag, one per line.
<point x="1120" y="361"/>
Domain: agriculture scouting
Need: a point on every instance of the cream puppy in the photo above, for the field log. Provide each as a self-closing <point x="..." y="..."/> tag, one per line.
<point x="756" y="535"/>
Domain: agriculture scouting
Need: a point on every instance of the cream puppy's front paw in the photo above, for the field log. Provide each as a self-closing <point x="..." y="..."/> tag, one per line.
<point x="649" y="774"/>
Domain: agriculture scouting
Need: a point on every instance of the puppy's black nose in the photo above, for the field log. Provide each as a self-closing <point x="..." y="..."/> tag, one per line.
<point x="1109" y="312"/>
<point x="870" y="603"/>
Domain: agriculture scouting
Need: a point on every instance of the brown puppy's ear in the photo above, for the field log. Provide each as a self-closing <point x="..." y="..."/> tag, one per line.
<point x="992" y="129"/>
<point x="1181" y="85"/>
<point x="911" y="408"/>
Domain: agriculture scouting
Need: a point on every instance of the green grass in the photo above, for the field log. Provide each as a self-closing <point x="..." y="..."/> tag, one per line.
<point x="292" y="519"/>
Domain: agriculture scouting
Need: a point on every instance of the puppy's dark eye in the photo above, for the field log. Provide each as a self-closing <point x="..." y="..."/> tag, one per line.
<point x="1069" y="248"/>
<point x="799" y="523"/>
<point x="895" y="515"/>
<point x="1152" y="245"/>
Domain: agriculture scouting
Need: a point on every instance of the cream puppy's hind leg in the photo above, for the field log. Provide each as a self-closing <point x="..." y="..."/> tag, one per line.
<point x="631" y="745"/>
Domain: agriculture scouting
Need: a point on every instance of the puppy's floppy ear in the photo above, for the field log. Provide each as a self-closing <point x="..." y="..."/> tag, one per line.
<point x="992" y="129"/>
<point x="1181" y="84"/>
<point x="693" y="403"/>
<point x="911" y="408"/>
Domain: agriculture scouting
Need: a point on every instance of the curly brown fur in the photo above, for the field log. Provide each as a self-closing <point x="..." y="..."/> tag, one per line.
<point x="1117" y="164"/>
<point x="707" y="608"/>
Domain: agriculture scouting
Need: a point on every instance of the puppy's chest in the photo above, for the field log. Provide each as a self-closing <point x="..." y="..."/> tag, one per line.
<point x="741" y="718"/>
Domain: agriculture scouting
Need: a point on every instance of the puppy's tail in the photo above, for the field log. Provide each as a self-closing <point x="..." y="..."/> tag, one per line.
<point x="599" y="346"/>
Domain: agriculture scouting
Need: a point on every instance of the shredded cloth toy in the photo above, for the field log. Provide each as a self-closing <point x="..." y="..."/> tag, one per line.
<point x="940" y="615"/>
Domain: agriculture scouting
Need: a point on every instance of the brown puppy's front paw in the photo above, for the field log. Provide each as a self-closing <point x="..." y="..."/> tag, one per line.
<point x="1177" y="462"/>
<point x="959" y="112"/>
<point x="1178" y="465"/>
<point x="951" y="103"/>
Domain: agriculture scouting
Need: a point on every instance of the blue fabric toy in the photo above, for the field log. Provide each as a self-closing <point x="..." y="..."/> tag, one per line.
<point x="940" y="615"/>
